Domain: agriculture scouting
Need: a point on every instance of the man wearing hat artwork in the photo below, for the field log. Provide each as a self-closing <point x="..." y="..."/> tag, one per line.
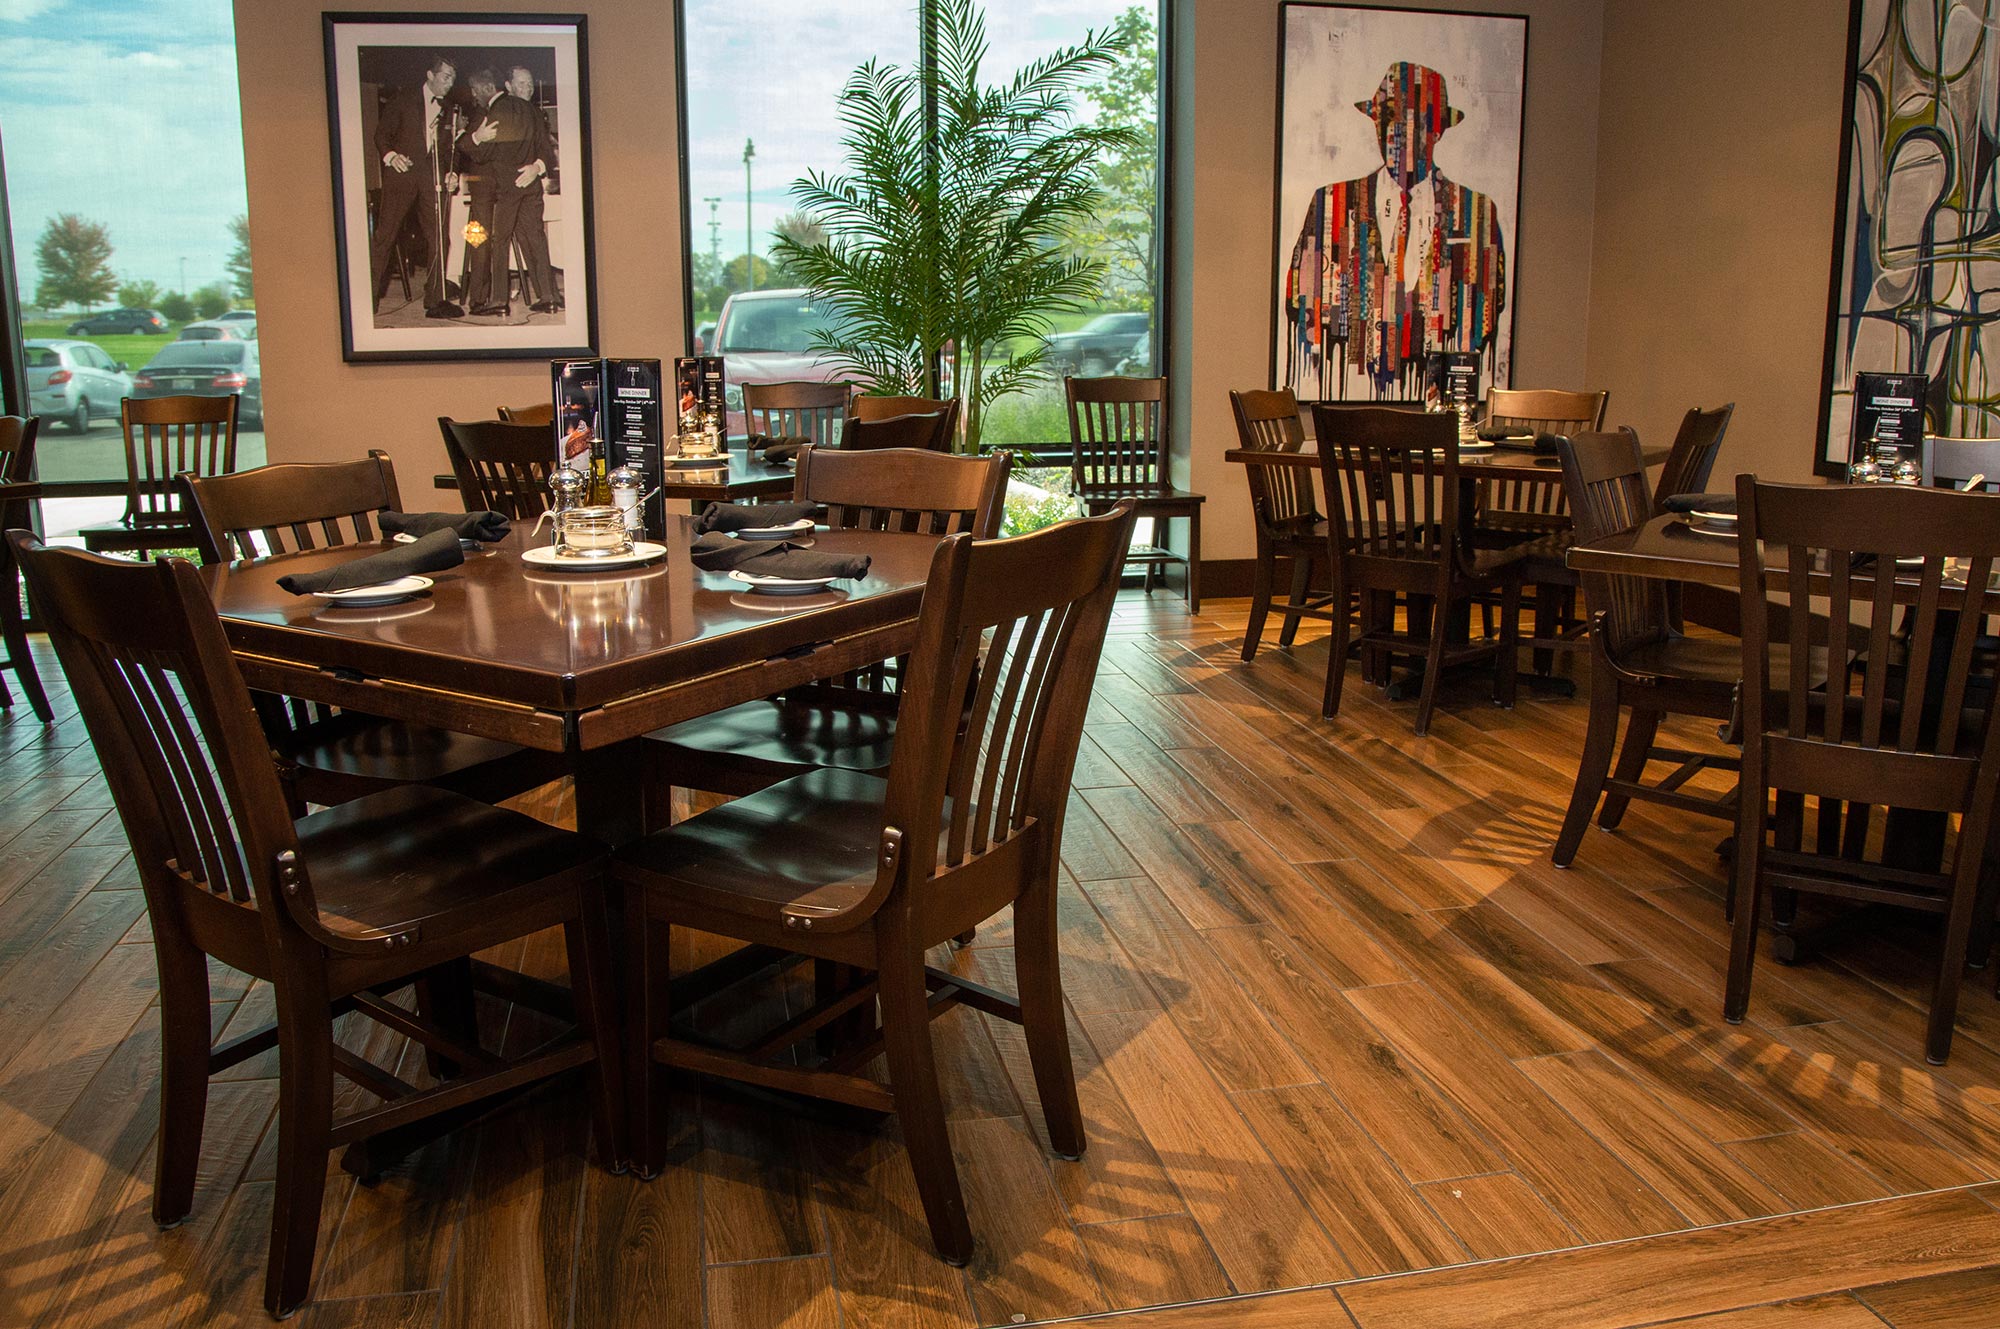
<point x="1397" y="263"/>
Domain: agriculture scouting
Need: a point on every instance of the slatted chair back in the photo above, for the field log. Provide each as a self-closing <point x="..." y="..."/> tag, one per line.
<point x="1606" y="480"/>
<point x="999" y="683"/>
<point x="291" y="507"/>
<point x="867" y="406"/>
<point x="1692" y="457"/>
<point x="180" y="746"/>
<point x="17" y="450"/>
<point x="1908" y="720"/>
<point x="929" y="431"/>
<point x="501" y="467"/>
<point x="812" y="411"/>
<point x="905" y="489"/>
<point x="1950" y="462"/>
<point x="1282" y="500"/>
<point x="1538" y="411"/>
<point x="1117" y="434"/>
<point x="541" y="413"/>
<point x="1391" y="480"/>
<point x="165" y="436"/>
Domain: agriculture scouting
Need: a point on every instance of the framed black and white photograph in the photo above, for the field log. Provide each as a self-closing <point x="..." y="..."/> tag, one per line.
<point x="461" y="185"/>
<point x="1399" y="188"/>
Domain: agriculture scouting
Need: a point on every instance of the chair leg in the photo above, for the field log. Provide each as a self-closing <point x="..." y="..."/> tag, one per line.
<point x="184" y="1048"/>
<point x="1965" y="897"/>
<point x="1600" y="741"/>
<point x="305" y="1121"/>
<point x="1548" y="625"/>
<point x="1433" y="667"/>
<point x="906" y="1034"/>
<point x="1194" y="562"/>
<point x="1639" y="732"/>
<point x="445" y="999"/>
<point x="1336" y="656"/>
<point x="646" y="1014"/>
<point x="1302" y="569"/>
<point x="1748" y="892"/>
<point x="1260" y="600"/>
<point x="1038" y="976"/>
<point x="588" y="941"/>
<point x="1506" y="659"/>
<point x="15" y="634"/>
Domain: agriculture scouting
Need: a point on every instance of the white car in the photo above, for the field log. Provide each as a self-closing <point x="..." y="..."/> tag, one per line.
<point x="226" y="328"/>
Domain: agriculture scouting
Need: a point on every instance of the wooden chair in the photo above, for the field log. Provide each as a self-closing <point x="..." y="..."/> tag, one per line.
<point x="17" y="466"/>
<point x="326" y="756"/>
<point x="1908" y="721"/>
<point x="501" y="467"/>
<point x="334" y="910"/>
<point x="1692" y="457"/>
<point x="1639" y="660"/>
<point x="541" y="413"/>
<point x="868" y="873"/>
<point x="1392" y="483"/>
<point x="848" y="722"/>
<point x="1950" y="462"/>
<point x="165" y="436"/>
<point x="797" y="410"/>
<point x="1118" y="437"/>
<point x="1286" y="514"/>
<point x="931" y="431"/>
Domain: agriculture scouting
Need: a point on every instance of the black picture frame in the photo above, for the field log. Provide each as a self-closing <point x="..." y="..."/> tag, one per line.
<point x="1281" y="225"/>
<point x="367" y="52"/>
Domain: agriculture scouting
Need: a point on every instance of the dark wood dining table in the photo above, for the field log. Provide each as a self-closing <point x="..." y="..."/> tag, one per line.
<point x="1487" y="464"/>
<point x="582" y="663"/>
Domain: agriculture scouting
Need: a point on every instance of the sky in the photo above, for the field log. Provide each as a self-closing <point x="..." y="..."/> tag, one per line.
<point x="124" y="111"/>
<point x="772" y="70"/>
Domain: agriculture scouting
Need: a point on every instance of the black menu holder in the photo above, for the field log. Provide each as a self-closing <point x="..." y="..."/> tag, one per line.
<point x="634" y="434"/>
<point x="1888" y="412"/>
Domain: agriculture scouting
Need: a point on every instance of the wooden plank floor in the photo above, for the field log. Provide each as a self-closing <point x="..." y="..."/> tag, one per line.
<point x="1342" y="1032"/>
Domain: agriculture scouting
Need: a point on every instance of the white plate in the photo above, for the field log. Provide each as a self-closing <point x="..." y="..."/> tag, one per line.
<point x="1714" y="518"/>
<point x="385" y="593"/>
<point x="545" y="556"/>
<point x="719" y="459"/>
<point x="803" y="526"/>
<point x="781" y="585"/>
<point x="1473" y="445"/>
<point x="1726" y="532"/>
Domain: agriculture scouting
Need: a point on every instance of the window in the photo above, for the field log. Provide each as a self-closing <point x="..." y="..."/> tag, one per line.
<point x="745" y="151"/>
<point x="125" y="184"/>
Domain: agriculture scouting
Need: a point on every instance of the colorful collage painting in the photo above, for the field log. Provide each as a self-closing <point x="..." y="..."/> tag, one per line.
<point x="1916" y="269"/>
<point x="1399" y="169"/>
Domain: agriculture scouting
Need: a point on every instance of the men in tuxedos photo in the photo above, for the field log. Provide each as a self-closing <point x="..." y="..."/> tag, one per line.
<point x="413" y="126"/>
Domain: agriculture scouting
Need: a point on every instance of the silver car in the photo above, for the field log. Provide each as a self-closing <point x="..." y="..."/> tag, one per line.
<point x="74" y="382"/>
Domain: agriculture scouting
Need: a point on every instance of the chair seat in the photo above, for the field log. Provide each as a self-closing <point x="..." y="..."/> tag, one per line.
<point x="1106" y="496"/>
<point x="811" y="838"/>
<point x="364" y="747"/>
<point x="418" y="855"/>
<point x="778" y="739"/>
<point x="1711" y="660"/>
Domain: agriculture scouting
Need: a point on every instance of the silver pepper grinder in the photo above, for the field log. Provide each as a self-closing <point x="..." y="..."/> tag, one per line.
<point x="626" y="486"/>
<point x="567" y="489"/>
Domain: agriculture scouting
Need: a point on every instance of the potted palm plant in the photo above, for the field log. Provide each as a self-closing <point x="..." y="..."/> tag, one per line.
<point x="943" y="245"/>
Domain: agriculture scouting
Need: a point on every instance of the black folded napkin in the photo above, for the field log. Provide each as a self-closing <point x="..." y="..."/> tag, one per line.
<point x="1495" y="433"/>
<point x="777" y="558"/>
<point x="1542" y="443"/>
<point x="486" y="526"/>
<point x="1700" y="503"/>
<point x="430" y="553"/>
<point x="779" y="449"/>
<point x="750" y="516"/>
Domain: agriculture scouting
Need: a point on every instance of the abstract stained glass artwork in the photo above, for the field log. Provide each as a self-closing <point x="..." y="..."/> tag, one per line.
<point x="1399" y="166"/>
<point x="1916" y="270"/>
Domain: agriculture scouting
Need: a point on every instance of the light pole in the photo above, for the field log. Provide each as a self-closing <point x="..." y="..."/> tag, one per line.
<point x="749" y="246"/>
<point x="714" y="231"/>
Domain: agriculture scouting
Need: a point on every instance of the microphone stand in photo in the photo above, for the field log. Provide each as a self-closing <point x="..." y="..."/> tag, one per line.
<point x="441" y="207"/>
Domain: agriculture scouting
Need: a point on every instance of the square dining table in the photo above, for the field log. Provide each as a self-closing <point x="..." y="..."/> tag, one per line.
<point x="741" y="474"/>
<point x="582" y="663"/>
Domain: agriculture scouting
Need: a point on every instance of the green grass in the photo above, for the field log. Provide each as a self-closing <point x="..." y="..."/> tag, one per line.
<point x="132" y="348"/>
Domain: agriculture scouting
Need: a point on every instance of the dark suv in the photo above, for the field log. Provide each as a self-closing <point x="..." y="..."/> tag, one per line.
<point x="1098" y="345"/>
<point x="145" y="321"/>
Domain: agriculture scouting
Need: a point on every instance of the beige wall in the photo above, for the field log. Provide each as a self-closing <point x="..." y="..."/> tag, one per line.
<point x="1718" y="155"/>
<point x="318" y="406"/>
<point x="1228" y="321"/>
